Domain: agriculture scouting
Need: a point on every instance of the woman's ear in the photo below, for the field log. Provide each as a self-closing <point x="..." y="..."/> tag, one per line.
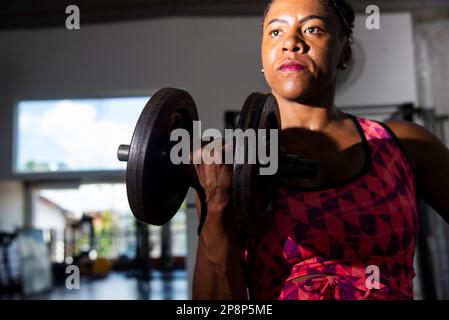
<point x="346" y="57"/>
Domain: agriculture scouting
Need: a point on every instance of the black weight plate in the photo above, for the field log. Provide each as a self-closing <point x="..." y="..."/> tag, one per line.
<point x="252" y="193"/>
<point x="154" y="186"/>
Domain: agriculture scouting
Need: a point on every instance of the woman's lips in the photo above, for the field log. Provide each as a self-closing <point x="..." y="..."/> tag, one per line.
<point x="292" y="66"/>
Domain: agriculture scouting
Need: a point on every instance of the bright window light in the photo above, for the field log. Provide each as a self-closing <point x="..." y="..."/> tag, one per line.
<point x="74" y="135"/>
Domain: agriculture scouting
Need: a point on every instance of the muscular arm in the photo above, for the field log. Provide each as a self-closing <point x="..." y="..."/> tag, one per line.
<point x="219" y="268"/>
<point x="431" y="160"/>
<point x="219" y="265"/>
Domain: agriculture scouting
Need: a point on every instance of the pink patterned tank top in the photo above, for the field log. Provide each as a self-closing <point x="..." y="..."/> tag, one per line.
<point x="354" y="240"/>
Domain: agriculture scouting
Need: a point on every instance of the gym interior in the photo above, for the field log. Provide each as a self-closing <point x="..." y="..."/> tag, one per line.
<point x="70" y="95"/>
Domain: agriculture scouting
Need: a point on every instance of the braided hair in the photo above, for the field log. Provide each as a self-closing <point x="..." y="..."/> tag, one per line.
<point x="343" y="10"/>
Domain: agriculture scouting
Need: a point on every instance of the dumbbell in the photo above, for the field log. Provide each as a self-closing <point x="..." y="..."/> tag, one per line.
<point x="254" y="195"/>
<point x="156" y="187"/>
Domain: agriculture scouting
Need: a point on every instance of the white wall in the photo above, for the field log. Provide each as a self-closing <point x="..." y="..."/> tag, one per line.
<point x="47" y="216"/>
<point x="12" y="201"/>
<point x="384" y="68"/>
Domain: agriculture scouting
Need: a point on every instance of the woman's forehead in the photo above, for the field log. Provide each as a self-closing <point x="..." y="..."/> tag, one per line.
<point x="297" y="9"/>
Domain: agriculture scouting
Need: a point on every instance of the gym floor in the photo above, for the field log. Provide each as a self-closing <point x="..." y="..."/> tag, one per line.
<point x="119" y="286"/>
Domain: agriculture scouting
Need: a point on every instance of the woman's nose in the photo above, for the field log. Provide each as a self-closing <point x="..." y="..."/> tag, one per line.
<point x="293" y="43"/>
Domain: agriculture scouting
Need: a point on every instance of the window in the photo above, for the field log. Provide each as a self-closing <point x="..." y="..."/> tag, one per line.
<point x="74" y="135"/>
<point x="96" y="216"/>
<point x="102" y="206"/>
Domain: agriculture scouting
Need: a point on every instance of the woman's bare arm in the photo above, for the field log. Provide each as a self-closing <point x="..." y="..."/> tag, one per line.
<point x="219" y="268"/>
<point x="431" y="160"/>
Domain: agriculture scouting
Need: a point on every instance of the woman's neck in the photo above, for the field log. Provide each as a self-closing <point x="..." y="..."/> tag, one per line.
<point x="314" y="117"/>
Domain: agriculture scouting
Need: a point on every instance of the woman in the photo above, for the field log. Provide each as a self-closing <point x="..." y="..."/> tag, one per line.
<point x="360" y="211"/>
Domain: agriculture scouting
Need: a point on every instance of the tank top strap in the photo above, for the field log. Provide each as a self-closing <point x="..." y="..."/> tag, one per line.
<point x="382" y="140"/>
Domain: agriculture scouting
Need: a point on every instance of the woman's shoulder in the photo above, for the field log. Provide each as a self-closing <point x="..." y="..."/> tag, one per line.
<point x="419" y="144"/>
<point x="409" y="130"/>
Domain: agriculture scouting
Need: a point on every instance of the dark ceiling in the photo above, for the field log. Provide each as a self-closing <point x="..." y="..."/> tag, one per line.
<point x="19" y="14"/>
<point x="43" y="13"/>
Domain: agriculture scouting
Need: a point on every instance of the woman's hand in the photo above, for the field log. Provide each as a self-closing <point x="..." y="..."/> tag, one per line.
<point x="214" y="203"/>
<point x="215" y="177"/>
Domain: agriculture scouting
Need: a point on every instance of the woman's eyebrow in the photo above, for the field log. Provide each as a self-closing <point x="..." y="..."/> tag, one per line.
<point x="313" y="16"/>
<point x="305" y="19"/>
<point x="277" y="20"/>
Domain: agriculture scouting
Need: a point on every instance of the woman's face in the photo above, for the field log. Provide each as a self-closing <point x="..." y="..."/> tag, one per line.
<point x="302" y="47"/>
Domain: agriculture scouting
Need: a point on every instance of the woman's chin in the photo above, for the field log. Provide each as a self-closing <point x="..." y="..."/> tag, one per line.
<point x="292" y="95"/>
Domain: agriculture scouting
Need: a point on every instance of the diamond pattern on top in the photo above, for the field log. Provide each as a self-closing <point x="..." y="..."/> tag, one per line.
<point x="334" y="234"/>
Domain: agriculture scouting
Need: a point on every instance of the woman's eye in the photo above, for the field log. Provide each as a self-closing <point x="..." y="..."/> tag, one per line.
<point x="275" y="33"/>
<point x="314" y="30"/>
